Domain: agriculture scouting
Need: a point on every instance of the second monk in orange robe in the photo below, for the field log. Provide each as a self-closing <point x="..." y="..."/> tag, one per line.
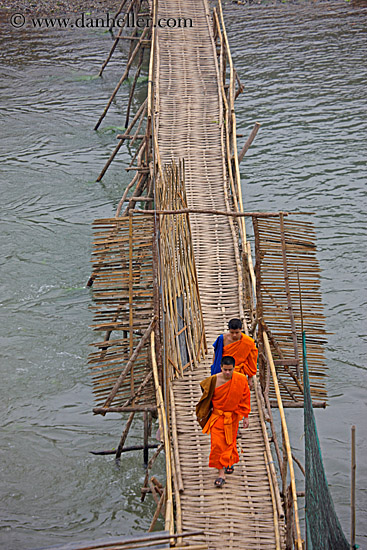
<point x="238" y="345"/>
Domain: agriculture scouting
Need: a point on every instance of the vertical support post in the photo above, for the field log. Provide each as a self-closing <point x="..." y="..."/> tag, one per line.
<point x="131" y="342"/>
<point x="146" y="437"/>
<point x="156" y="299"/>
<point x="288" y="505"/>
<point x="353" y="492"/>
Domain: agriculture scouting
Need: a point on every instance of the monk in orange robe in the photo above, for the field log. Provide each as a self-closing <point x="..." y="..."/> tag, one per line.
<point x="238" y="345"/>
<point x="230" y="402"/>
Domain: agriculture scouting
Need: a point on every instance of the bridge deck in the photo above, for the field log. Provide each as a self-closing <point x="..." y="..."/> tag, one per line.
<point x="189" y="123"/>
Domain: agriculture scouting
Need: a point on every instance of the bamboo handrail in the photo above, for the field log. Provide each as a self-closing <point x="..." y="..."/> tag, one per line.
<point x="233" y="120"/>
<point x="286" y="439"/>
<point x="222" y="213"/>
<point x="151" y="60"/>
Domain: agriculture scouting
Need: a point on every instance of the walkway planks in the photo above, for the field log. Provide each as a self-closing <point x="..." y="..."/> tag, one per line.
<point x="188" y="117"/>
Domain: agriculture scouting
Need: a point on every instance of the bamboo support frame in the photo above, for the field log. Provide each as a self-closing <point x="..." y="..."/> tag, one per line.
<point x="286" y="441"/>
<point x="128" y="367"/>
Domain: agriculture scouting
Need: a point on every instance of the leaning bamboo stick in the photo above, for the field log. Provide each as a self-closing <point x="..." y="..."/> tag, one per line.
<point x="130" y="408"/>
<point x="169" y="524"/>
<point x="133" y="55"/>
<point x="157" y="512"/>
<point x="249" y="141"/>
<point x="286" y="439"/>
<point x="268" y="451"/>
<point x="136" y="76"/>
<point x="275" y="514"/>
<point x="353" y="490"/>
<point x="130" y="364"/>
<point x="149" y="467"/>
<point x="116" y="41"/>
<point x="124" y="435"/>
<point x="175" y="441"/>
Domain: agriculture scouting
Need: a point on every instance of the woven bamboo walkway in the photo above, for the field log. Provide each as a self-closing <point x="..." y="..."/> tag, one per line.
<point x="188" y="121"/>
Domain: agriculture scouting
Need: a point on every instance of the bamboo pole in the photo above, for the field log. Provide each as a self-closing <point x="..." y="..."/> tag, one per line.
<point x="268" y="452"/>
<point x="175" y="441"/>
<point x="353" y="491"/>
<point x="169" y="525"/>
<point x="129" y="365"/>
<point x="297" y="404"/>
<point x="130" y="408"/>
<point x="146" y="439"/>
<point x="115" y="41"/>
<point x="249" y="141"/>
<point x="158" y="509"/>
<point x="133" y="55"/>
<point x="233" y="120"/>
<point x="275" y="513"/>
<point x="286" y="440"/>
<point x="132" y="90"/>
<point x="125" y="449"/>
<point x="124" y="435"/>
<point x="222" y="213"/>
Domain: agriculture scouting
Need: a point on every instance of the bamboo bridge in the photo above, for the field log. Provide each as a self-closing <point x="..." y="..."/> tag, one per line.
<point x="168" y="275"/>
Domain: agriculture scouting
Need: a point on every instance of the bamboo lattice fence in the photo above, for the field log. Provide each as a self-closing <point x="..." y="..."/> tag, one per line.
<point x="123" y="304"/>
<point x="288" y="279"/>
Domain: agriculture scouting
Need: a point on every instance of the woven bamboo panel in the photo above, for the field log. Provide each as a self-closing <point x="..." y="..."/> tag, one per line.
<point x="123" y="304"/>
<point x="183" y="325"/>
<point x="299" y="249"/>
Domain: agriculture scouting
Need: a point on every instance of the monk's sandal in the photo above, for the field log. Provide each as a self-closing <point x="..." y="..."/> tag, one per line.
<point x="219" y="482"/>
<point x="229" y="469"/>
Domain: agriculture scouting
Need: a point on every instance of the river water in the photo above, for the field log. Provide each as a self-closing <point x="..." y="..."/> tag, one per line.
<point x="303" y="66"/>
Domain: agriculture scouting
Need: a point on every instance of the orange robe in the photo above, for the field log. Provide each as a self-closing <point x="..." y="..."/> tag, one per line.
<point x="231" y="402"/>
<point x="245" y="353"/>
